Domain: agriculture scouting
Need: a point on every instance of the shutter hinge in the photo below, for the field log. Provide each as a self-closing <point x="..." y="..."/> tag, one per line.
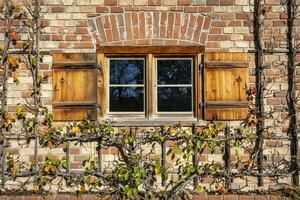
<point x="201" y="106"/>
<point x="201" y="66"/>
<point x="99" y="67"/>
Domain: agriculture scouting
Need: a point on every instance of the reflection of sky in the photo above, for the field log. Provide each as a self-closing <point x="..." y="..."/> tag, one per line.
<point x="124" y="98"/>
<point x="174" y="72"/>
<point x="126" y="71"/>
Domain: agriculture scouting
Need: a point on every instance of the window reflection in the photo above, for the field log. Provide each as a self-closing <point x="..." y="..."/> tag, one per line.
<point x="126" y="99"/>
<point x="174" y="85"/>
<point x="174" y="71"/>
<point x="126" y="71"/>
<point x="126" y="90"/>
<point x="174" y="99"/>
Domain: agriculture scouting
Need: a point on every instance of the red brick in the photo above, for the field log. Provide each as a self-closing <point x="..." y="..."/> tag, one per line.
<point x="106" y="22"/>
<point x="177" y="9"/>
<point x="216" y="23"/>
<point x="81" y="23"/>
<point x="57" y="37"/>
<point x="101" y="30"/>
<point x="142" y="25"/>
<point x="215" y="31"/>
<point x="242" y="16"/>
<point x="246" y="197"/>
<point x="183" y="2"/>
<point x="75" y="165"/>
<point x="101" y="9"/>
<point x="154" y="2"/>
<point x="128" y="26"/>
<point x="81" y="30"/>
<point x="227" y="2"/>
<point x="91" y="197"/>
<point x="65" y="45"/>
<point x="190" y="9"/>
<point x="199" y="197"/>
<point x="213" y="2"/>
<point x="116" y="10"/>
<point x="231" y="197"/>
<point x="218" y="37"/>
<point x="235" y="23"/>
<point x="110" y="2"/>
<point x="134" y="18"/>
<point x="113" y="20"/>
<point x="185" y="26"/>
<point x="198" y="29"/>
<point x="279" y="23"/>
<point x="57" y="9"/>
<point x="215" y="197"/>
<point x="62" y="197"/>
<point x="45" y="37"/>
<point x="84" y="45"/>
<point x="207" y="23"/>
<point x="156" y="25"/>
<point x="261" y="197"/>
<point x="170" y="26"/>
<point x="136" y="32"/>
<point x="143" y="42"/>
<point x="33" y="197"/>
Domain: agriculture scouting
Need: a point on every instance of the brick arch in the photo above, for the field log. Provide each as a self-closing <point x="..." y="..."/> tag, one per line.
<point x="150" y="28"/>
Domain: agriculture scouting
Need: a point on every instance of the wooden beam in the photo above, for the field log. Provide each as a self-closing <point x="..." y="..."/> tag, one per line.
<point x="150" y="49"/>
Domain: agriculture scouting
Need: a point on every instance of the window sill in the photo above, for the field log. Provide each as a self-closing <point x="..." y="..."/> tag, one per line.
<point x="156" y="122"/>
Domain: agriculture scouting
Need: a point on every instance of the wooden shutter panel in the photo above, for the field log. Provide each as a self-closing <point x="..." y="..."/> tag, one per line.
<point x="226" y="76"/>
<point x="74" y="86"/>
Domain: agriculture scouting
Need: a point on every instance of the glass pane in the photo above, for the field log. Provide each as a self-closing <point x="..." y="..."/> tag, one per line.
<point x="126" y="99"/>
<point x="126" y="71"/>
<point x="174" y="99"/>
<point x="174" y="71"/>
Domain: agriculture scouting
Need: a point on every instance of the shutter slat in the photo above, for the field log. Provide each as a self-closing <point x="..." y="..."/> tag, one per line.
<point x="75" y="87"/>
<point x="226" y="77"/>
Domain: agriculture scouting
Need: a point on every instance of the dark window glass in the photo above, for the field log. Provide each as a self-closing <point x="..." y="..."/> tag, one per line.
<point x="126" y="99"/>
<point x="126" y="71"/>
<point x="174" y="71"/>
<point x="174" y="99"/>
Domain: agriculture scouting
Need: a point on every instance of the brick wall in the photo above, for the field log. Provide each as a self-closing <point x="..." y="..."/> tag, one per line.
<point x="220" y="25"/>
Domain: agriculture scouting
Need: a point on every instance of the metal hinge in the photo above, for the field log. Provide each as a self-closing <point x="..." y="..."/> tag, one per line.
<point x="201" y="106"/>
<point x="99" y="66"/>
<point x="201" y="66"/>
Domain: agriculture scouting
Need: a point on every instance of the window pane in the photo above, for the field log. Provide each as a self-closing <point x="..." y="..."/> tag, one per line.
<point x="126" y="71"/>
<point x="174" y="71"/>
<point x="174" y="99"/>
<point x="126" y="99"/>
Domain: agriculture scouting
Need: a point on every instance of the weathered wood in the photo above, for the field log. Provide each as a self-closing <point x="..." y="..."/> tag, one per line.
<point x="226" y="77"/>
<point x="67" y="114"/>
<point x="151" y="49"/>
<point x="75" y="87"/>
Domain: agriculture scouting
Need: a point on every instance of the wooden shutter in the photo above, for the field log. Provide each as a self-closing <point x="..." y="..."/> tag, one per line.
<point x="226" y="76"/>
<point x="74" y="86"/>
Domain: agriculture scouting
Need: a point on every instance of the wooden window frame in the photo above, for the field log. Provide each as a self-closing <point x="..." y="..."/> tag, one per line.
<point x="110" y="113"/>
<point x="192" y="85"/>
<point x="151" y="54"/>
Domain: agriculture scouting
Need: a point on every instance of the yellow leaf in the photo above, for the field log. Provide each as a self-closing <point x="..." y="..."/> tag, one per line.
<point x="82" y="188"/>
<point x="36" y="188"/>
<point x="75" y="129"/>
<point x="14" y="62"/>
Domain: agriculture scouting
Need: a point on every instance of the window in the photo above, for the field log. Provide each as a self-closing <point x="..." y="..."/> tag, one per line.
<point x="174" y="83"/>
<point x="151" y="85"/>
<point x="126" y="85"/>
